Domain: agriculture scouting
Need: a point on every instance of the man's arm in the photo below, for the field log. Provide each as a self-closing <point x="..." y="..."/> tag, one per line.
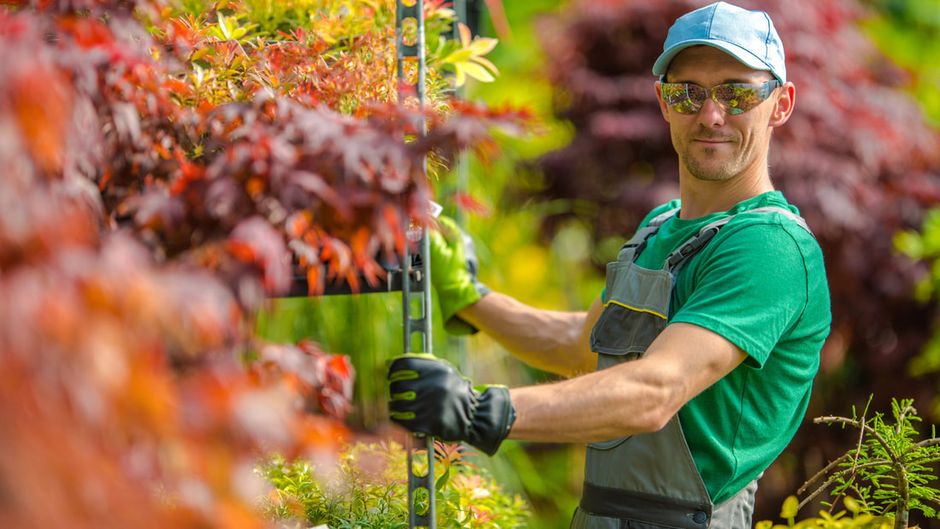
<point x="554" y="341"/>
<point x="630" y="398"/>
<point x="550" y="340"/>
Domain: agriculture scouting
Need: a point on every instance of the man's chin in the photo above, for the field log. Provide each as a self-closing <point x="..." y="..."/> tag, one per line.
<point x="710" y="172"/>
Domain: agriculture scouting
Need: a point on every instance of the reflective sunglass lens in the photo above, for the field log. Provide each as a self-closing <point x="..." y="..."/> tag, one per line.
<point x="737" y="98"/>
<point x="684" y="98"/>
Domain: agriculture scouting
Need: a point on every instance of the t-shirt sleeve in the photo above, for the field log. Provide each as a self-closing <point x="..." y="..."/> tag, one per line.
<point x="750" y="288"/>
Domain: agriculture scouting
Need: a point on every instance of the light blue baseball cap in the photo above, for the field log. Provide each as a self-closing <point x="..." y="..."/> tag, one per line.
<point x="748" y="36"/>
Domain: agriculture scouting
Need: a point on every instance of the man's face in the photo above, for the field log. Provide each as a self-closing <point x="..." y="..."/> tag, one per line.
<point x="712" y="144"/>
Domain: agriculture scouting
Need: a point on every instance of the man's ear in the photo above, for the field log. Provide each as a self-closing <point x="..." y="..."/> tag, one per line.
<point x="662" y="104"/>
<point x="783" y="108"/>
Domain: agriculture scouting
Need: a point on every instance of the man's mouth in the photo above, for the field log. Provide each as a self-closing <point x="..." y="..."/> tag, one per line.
<point x="712" y="140"/>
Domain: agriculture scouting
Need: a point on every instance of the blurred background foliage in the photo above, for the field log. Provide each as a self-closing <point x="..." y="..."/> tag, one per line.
<point x="165" y="169"/>
<point x="860" y="160"/>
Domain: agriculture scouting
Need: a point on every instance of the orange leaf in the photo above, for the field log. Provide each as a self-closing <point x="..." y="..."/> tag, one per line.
<point x="42" y="104"/>
<point x="360" y="243"/>
<point x="393" y="222"/>
<point x="299" y="223"/>
<point x="241" y="250"/>
<point x="322" y="433"/>
<point x="255" y="186"/>
<point x="352" y="279"/>
<point x="315" y="286"/>
<point x="176" y="86"/>
<point x="340" y="365"/>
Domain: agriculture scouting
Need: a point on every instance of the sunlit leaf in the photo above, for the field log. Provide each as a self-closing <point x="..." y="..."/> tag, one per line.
<point x="482" y="45"/>
<point x="790" y="507"/>
<point x="486" y="63"/>
<point x="477" y="71"/>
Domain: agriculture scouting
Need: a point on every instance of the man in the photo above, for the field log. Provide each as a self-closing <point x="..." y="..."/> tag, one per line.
<point x="706" y="338"/>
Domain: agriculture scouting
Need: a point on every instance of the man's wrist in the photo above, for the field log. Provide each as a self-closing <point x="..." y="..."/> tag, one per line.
<point x="493" y="419"/>
<point x="456" y="298"/>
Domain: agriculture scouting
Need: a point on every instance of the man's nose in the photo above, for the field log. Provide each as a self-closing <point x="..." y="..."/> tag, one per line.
<point x="711" y="114"/>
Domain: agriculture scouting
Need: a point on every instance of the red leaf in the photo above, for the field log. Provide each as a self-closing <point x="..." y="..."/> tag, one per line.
<point x="255" y="240"/>
<point x="470" y="204"/>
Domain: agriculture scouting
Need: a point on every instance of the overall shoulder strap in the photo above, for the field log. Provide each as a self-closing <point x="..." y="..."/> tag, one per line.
<point x="691" y="246"/>
<point x="800" y="221"/>
<point x="637" y="243"/>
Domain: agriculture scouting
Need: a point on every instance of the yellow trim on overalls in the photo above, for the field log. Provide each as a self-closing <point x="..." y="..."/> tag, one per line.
<point x="635" y="309"/>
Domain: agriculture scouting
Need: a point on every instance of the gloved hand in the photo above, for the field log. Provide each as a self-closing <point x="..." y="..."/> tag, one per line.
<point x="454" y="274"/>
<point x="429" y="396"/>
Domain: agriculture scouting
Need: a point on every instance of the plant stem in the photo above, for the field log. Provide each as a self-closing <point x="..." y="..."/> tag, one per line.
<point x="902" y="512"/>
<point x="881" y="440"/>
<point x="821" y="473"/>
<point x="834" y="477"/>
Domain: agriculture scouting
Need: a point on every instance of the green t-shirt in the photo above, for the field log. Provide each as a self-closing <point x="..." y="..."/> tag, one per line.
<point x="761" y="284"/>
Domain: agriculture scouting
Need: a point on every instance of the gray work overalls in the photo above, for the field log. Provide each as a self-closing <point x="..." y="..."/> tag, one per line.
<point x="650" y="481"/>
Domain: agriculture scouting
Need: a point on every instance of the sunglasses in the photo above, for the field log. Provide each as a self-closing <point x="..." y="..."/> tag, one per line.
<point x="734" y="98"/>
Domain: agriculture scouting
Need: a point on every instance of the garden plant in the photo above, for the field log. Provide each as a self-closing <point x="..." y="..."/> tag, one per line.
<point x="367" y="490"/>
<point x="886" y="476"/>
<point x="166" y="167"/>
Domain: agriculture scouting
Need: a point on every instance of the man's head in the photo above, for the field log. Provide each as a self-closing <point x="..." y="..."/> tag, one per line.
<point x="723" y="88"/>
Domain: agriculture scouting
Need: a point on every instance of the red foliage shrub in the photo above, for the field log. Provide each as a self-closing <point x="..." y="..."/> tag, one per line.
<point x="140" y="226"/>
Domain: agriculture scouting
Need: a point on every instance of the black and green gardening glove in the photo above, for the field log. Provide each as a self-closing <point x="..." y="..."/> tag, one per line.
<point x="454" y="274"/>
<point x="429" y="396"/>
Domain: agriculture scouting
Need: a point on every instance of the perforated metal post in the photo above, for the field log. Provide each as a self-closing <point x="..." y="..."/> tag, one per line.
<point x="409" y="35"/>
<point x="421" y="450"/>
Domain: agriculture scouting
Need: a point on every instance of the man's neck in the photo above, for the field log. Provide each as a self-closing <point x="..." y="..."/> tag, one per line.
<point x="702" y="197"/>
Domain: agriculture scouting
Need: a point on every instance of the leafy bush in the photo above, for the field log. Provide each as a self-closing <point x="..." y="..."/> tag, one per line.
<point x="366" y="489"/>
<point x="886" y="476"/>
<point x="150" y="200"/>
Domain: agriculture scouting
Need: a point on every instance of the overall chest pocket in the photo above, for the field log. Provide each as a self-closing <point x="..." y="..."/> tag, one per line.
<point x="635" y="311"/>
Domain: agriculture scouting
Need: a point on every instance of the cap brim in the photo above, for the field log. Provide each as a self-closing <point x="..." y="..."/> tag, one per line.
<point x="742" y="55"/>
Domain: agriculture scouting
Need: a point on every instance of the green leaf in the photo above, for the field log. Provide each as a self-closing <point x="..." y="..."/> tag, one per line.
<point x="460" y="55"/>
<point x="910" y="244"/>
<point x="200" y="53"/>
<point x="224" y="28"/>
<point x="442" y="479"/>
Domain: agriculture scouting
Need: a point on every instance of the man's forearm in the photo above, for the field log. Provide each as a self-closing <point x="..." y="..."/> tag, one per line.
<point x="624" y="400"/>
<point x="554" y="341"/>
